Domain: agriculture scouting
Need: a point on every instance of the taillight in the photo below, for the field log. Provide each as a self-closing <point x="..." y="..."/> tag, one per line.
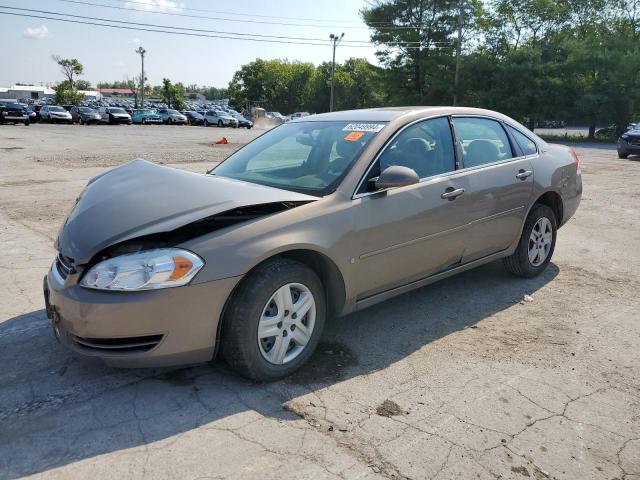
<point x="577" y="160"/>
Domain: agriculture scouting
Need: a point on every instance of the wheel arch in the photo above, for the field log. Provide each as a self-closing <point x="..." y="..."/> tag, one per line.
<point x="329" y="273"/>
<point x="553" y="200"/>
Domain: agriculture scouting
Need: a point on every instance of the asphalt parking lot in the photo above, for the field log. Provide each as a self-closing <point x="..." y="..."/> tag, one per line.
<point x="482" y="375"/>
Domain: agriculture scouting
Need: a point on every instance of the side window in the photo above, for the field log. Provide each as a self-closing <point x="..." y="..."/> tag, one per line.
<point x="426" y="147"/>
<point x="527" y="145"/>
<point x="482" y="141"/>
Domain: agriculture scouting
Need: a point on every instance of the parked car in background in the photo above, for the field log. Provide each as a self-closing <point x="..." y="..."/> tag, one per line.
<point x="55" y="113"/>
<point x="219" y="118"/>
<point x="114" y="115"/>
<point x="34" y="112"/>
<point x="193" y="117"/>
<point x="170" y="116"/>
<point x="277" y="117"/>
<point x="317" y="218"/>
<point x="14" y="113"/>
<point x="145" y="116"/>
<point x="299" y="115"/>
<point x="242" y="122"/>
<point x="84" y="115"/>
<point x="629" y="142"/>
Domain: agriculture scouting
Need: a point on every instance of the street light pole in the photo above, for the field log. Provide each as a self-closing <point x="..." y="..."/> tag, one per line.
<point x="141" y="51"/>
<point x="335" y="39"/>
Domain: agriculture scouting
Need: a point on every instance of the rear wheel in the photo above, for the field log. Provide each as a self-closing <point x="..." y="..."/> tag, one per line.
<point x="274" y="321"/>
<point x="536" y="245"/>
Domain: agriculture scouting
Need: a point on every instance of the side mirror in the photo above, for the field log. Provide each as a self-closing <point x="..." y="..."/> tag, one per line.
<point x="395" y="176"/>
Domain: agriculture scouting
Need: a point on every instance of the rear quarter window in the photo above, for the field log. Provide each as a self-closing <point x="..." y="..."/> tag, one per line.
<point x="527" y="145"/>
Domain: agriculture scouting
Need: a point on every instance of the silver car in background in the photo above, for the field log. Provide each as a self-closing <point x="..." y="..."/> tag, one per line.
<point x="319" y="217"/>
<point x="219" y="118"/>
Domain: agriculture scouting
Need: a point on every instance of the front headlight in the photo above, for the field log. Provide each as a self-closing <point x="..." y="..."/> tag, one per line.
<point x="624" y="136"/>
<point x="148" y="270"/>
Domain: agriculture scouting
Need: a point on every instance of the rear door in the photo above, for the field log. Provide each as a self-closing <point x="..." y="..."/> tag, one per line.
<point x="498" y="180"/>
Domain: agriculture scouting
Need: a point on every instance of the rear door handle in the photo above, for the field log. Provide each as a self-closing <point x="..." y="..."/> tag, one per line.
<point x="451" y="193"/>
<point x="523" y="174"/>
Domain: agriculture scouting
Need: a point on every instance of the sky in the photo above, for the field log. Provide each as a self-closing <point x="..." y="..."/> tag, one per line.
<point x="108" y="54"/>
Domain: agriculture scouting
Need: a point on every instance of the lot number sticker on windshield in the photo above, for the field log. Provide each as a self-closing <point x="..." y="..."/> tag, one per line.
<point x="354" y="136"/>
<point x="363" y="127"/>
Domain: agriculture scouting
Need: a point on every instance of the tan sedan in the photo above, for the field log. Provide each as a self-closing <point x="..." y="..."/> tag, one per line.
<point x="318" y="217"/>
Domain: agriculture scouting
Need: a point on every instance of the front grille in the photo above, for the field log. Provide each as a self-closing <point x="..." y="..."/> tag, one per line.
<point x="64" y="266"/>
<point x="119" y="345"/>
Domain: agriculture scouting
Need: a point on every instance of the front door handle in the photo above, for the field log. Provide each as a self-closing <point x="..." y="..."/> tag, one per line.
<point x="523" y="174"/>
<point x="452" y="193"/>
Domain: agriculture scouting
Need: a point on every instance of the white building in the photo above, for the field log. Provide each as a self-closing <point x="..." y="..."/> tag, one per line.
<point x="37" y="92"/>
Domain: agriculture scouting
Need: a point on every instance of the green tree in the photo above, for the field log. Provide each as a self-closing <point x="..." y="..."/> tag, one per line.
<point x="65" y="95"/>
<point x="274" y="84"/>
<point x="172" y="94"/>
<point x="70" y="68"/>
<point x="83" y="85"/>
<point x="415" y="38"/>
<point x="67" y="90"/>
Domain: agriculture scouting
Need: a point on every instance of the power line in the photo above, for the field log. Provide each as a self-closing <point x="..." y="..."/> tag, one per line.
<point x="224" y="19"/>
<point x="223" y="12"/>
<point x="193" y="31"/>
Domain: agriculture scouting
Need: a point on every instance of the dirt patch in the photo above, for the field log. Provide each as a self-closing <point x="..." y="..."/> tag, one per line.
<point x="328" y="364"/>
<point x="389" y="408"/>
<point x="8" y="149"/>
<point x="521" y="470"/>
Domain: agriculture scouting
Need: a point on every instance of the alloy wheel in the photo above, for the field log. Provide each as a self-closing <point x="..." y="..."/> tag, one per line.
<point x="540" y="241"/>
<point x="286" y="324"/>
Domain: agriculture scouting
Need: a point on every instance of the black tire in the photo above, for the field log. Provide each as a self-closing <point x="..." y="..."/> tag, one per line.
<point x="519" y="263"/>
<point x="143" y="121"/>
<point x="26" y="123"/>
<point x="206" y="122"/>
<point x="623" y="155"/>
<point x="220" y="124"/>
<point x="249" y="127"/>
<point x="239" y="342"/>
<point x="169" y="121"/>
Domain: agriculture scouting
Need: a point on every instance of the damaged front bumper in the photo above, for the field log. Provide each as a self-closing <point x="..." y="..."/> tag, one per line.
<point x="154" y="328"/>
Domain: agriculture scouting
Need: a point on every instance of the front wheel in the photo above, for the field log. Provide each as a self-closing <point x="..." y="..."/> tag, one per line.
<point x="536" y="245"/>
<point x="274" y="320"/>
<point x="206" y="123"/>
<point x="623" y="155"/>
<point x="220" y="124"/>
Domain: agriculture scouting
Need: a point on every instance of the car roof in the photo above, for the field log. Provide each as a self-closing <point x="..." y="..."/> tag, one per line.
<point x="388" y="114"/>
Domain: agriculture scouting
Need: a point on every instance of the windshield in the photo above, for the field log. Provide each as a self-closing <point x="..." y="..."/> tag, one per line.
<point x="306" y="157"/>
<point x="56" y="109"/>
<point x="173" y="112"/>
<point x="117" y="110"/>
<point x="85" y="110"/>
<point x="144" y="112"/>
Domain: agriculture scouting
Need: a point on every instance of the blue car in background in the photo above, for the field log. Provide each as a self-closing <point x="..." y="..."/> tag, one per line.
<point x="145" y="116"/>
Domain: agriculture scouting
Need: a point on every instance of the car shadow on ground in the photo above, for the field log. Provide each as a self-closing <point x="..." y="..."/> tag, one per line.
<point x="56" y="409"/>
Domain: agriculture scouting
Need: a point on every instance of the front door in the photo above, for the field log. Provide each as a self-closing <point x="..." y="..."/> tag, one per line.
<point x="408" y="233"/>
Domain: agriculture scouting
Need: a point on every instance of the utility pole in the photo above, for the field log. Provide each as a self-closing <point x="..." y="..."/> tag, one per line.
<point x="458" y="51"/>
<point x="335" y="39"/>
<point x="141" y="51"/>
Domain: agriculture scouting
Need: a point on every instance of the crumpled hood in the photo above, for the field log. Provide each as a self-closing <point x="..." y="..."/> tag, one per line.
<point x="142" y="198"/>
